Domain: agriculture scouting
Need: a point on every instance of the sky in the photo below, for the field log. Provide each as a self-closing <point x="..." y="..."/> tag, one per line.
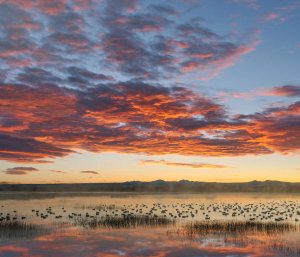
<point x="126" y="90"/>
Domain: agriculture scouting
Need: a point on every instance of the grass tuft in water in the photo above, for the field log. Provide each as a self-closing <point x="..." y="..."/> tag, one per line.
<point x="130" y="221"/>
<point x="206" y="227"/>
<point x="17" y="229"/>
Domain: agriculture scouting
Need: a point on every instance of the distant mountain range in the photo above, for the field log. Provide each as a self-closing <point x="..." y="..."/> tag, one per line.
<point x="160" y="186"/>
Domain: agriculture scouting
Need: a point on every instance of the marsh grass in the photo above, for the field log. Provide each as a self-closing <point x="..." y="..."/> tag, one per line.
<point x="17" y="229"/>
<point x="242" y="234"/>
<point x="237" y="227"/>
<point x="130" y="221"/>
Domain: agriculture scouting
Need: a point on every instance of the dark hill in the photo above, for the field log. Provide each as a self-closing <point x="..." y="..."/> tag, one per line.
<point x="160" y="186"/>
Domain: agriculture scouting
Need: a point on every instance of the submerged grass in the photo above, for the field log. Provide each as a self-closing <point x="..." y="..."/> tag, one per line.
<point x="233" y="226"/>
<point x="130" y="221"/>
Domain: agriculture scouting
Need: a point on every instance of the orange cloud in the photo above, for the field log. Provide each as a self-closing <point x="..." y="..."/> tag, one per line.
<point x="183" y="164"/>
<point x="58" y="171"/>
<point x="179" y="44"/>
<point x="135" y="117"/>
<point x="19" y="170"/>
<point x="148" y="28"/>
<point x="192" y="66"/>
<point x="90" y="172"/>
<point x="28" y="150"/>
<point x="286" y="90"/>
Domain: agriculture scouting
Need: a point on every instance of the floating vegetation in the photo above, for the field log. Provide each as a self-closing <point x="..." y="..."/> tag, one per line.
<point x="17" y="229"/>
<point x="129" y="221"/>
<point x="237" y="226"/>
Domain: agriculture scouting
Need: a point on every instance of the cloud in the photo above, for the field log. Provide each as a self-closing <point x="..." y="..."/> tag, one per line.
<point x="28" y="150"/>
<point x="75" y="41"/>
<point x="90" y="172"/>
<point x="19" y="170"/>
<point x="286" y="90"/>
<point x="83" y="75"/>
<point x="289" y="7"/>
<point x="135" y="117"/>
<point x="250" y="3"/>
<point x="269" y="17"/>
<point x="166" y="9"/>
<point x="58" y="171"/>
<point x="184" y="164"/>
<point x="195" y="48"/>
<point x="277" y="127"/>
<point x="52" y="8"/>
<point x="98" y="76"/>
<point x="119" y="38"/>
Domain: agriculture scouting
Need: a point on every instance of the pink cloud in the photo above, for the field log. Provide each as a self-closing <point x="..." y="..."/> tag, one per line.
<point x="289" y="7"/>
<point x="269" y="17"/>
<point x="250" y="3"/>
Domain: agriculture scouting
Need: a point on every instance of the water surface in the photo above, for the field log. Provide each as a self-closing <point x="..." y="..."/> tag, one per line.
<point x="58" y="232"/>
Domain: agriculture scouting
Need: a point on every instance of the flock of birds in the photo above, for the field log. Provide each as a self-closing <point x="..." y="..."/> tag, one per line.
<point x="261" y="211"/>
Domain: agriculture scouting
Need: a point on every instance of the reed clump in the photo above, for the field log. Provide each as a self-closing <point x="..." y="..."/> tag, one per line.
<point x="17" y="229"/>
<point x="129" y="221"/>
<point x="233" y="226"/>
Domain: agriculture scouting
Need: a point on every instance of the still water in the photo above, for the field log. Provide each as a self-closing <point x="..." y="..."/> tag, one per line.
<point x="92" y="224"/>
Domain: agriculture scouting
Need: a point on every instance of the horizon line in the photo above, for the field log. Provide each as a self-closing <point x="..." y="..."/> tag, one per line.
<point x="159" y="180"/>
